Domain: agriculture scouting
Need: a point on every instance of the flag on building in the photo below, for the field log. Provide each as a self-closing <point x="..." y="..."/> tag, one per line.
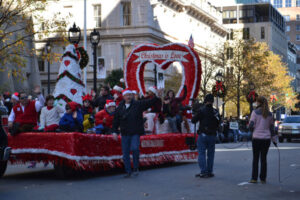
<point x="191" y="42"/>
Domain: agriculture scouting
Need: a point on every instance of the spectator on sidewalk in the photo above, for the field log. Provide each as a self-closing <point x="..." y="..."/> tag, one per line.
<point x="209" y="119"/>
<point x="262" y="126"/>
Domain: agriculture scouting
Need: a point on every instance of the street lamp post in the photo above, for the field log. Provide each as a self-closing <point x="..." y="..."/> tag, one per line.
<point x="74" y="34"/>
<point x="95" y="39"/>
<point x="219" y="85"/>
<point x="155" y="75"/>
<point x="48" y="50"/>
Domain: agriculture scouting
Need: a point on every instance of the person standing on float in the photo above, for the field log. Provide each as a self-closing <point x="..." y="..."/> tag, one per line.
<point x="129" y="118"/>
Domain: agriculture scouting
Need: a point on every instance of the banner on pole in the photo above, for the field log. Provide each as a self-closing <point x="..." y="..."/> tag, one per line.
<point x="101" y="69"/>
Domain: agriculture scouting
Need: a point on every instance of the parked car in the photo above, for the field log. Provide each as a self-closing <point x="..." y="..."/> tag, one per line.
<point x="4" y="149"/>
<point x="289" y="128"/>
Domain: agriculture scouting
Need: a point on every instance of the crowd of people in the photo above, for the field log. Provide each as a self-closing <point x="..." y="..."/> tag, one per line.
<point x="96" y="115"/>
<point x="122" y="111"/>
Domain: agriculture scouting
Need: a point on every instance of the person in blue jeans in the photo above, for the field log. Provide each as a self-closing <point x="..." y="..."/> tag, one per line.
<point x="129" y="121"/>
<point x="209" y="119"/>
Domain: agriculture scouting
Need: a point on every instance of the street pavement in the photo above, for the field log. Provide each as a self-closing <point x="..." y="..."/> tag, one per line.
<point x="168" y="182"/>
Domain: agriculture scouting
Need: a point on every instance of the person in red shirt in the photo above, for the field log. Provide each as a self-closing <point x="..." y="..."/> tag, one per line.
<point x="106" y="116"/>
<point x="24" y="115"/>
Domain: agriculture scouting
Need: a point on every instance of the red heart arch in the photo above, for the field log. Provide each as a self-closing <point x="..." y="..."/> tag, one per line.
<point x="163" y="56"/>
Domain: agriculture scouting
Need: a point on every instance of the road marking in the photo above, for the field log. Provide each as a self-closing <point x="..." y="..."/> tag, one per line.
<point x="246" y="149"/>
<point x="244" y="183"/>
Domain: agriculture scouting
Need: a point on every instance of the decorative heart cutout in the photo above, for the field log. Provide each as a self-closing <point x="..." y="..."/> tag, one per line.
<point x="67" y="62"/>
<point x="163" y="57"/>
<point x="73" y="91"/>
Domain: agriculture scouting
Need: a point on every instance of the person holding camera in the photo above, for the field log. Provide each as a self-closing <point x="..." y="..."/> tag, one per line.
<point x="209" y="119"/>
<point x="129" y="118"/>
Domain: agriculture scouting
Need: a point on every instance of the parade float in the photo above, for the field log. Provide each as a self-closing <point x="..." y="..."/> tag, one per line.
<point x="94" y="152"/>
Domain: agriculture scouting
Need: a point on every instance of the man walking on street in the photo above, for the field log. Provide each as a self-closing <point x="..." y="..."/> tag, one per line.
<point x="209" y="123"/>
<point x="129" y="118"/>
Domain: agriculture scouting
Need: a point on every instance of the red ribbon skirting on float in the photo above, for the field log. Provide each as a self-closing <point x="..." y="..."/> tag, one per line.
<point x="92" y="152"/>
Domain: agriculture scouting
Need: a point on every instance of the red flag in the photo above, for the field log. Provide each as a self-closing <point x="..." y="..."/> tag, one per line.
<point x="191" y="42"/>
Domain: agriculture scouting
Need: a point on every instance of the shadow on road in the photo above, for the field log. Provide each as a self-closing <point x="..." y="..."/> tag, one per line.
<point x="80" y="175"/>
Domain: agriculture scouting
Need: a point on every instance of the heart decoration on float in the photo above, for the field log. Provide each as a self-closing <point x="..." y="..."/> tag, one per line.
<point x="163" y="57"/>
<point x="73" y="91"/>
<point x="67" y="62"/>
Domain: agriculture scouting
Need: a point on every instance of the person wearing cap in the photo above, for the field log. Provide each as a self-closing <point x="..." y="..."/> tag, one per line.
<point x="209" y="119"/>
<point x="129" y="119"/>
<point x="24" y="115"/>
<point x="155" y="110"/>
<point x="15" y="98"/>
<point x="106" y="116"/>
<point x="72" y="120"/>
<point x="87" y="112"/>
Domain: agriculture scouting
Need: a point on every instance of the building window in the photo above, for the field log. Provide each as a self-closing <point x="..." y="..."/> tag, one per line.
<point x="288" y="38"/>
<point x="41" y="64"/>
<point x="97" y="15"/>
<point x="298" y="37"/>
<point x="126" y="49"/>
<point x="287" y="18"/>
<point x="287" y="29"/>
<point x="297" y="3"/>
<point x="126" y="10"/>
<point x="99" y="51"/>
<point x="277" y="3"/>
<point x="246" y="33"/>
<point x="288" y="3"/>
<point x="298" y="27"/>
<point x="262" y="32"/>
<point x="229" y="53"/>
<point x="249" y="13"/>
<point x="298" y="17"/>
<point x="230" y="35"/>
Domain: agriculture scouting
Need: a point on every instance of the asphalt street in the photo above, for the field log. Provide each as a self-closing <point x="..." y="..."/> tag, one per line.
<point x="168" y="182"/>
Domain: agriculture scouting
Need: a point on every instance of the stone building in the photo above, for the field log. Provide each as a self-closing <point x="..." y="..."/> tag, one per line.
<point x="124" y="24"/>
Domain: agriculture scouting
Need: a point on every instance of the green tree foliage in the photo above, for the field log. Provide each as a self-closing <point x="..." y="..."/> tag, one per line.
<point x="173" y="81"/>
<point x="20" y="22"/>
<point x="250" y="61"/>
<point x="114" y="77"/>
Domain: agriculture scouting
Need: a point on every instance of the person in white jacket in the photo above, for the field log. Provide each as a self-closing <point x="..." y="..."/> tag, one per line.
<point x="50" y="115"/>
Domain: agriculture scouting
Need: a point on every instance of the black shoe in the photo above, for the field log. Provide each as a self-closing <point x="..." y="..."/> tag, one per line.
<point x="128" y="175"/>
<point x="135" y="172"/>
<point x="210" y="175"/>
<point x="263" y="181"/>
<point x="253" y="181"/>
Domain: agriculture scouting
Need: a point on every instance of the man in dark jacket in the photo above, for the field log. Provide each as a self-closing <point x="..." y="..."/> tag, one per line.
<point x="101" y="100"/>
<point x="129" y="118"/>
<point x="209" y="123"/>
